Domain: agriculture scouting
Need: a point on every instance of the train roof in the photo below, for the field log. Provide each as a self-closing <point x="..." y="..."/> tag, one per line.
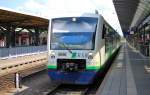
<point x="77" y="15"/>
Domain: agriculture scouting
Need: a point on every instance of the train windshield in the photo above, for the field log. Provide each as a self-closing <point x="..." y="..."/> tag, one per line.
<point x="74" y="33"/>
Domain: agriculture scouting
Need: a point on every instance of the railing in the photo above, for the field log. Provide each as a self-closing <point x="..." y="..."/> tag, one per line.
<point x="21" y="51"/>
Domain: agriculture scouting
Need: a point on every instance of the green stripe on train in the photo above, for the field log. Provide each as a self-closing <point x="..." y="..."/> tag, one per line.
<point x="92" y="67"/>
<point x="51" y="67"/>
<point x="88" y="68"/>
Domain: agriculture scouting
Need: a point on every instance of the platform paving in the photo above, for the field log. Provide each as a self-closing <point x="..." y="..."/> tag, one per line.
<point x="22" y="63"/>
<point x="129" y="74"/>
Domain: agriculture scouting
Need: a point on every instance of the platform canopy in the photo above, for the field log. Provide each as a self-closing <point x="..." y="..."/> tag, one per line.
<point x="142" y="12"/>
<point x="125" y="10"/>
<point x="17" y="19"/>
<point x="131" y="12"/>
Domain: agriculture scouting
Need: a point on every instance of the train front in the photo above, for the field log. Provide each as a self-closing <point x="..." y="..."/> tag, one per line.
<point x="72" y="43"/>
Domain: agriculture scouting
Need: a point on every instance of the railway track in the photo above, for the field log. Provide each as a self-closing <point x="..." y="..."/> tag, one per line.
<point x="70" y="90"/>
<point x="7" y="82"/>
<point x="24" y="66"/>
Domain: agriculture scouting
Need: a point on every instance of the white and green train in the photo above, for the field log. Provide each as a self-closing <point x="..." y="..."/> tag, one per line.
<point x="79" y="46"/>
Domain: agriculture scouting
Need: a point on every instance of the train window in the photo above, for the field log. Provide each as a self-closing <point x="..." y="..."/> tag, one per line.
<point x="73" y="33"/>
<point x="103" y="32"/>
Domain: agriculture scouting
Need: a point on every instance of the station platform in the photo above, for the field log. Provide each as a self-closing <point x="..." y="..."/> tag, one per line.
<point x="18" y="64"/>
<point x="23" y="66"/>
<point x="128" y="75"/>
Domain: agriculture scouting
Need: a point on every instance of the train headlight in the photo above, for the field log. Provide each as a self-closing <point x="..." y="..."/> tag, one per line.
<point x="90" y="56"/>
<point x="52" y="55"/>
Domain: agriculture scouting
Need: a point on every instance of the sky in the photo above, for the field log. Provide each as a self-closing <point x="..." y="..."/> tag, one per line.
<point x="48" y="8"/>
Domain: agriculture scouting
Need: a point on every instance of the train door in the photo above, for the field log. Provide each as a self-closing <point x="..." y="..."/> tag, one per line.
<point x="103" y="45"/>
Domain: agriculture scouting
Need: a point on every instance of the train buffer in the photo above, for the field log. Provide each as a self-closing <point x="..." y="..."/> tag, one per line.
<point x="129" y="74"/>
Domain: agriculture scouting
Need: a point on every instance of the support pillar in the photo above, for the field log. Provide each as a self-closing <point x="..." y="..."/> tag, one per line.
<point x="13" y="37"/>
<point x="37" y="36"/>
<point x="19" y="41"/>
<point x="8" y="37"/>
<point x="31" y="36"/>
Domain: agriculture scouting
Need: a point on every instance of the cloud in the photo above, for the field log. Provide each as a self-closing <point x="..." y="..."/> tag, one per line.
<point x="33" y="6"/>
<point x="106" y="8"/>
<point x="70" y="6"/>
<point x="48" y="8"/>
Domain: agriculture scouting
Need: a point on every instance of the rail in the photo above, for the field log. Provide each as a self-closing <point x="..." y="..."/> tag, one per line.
<point x="63" y="89"/>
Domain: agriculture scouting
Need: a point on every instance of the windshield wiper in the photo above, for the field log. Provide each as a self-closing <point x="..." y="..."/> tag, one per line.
<point x="66" y="47"/>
